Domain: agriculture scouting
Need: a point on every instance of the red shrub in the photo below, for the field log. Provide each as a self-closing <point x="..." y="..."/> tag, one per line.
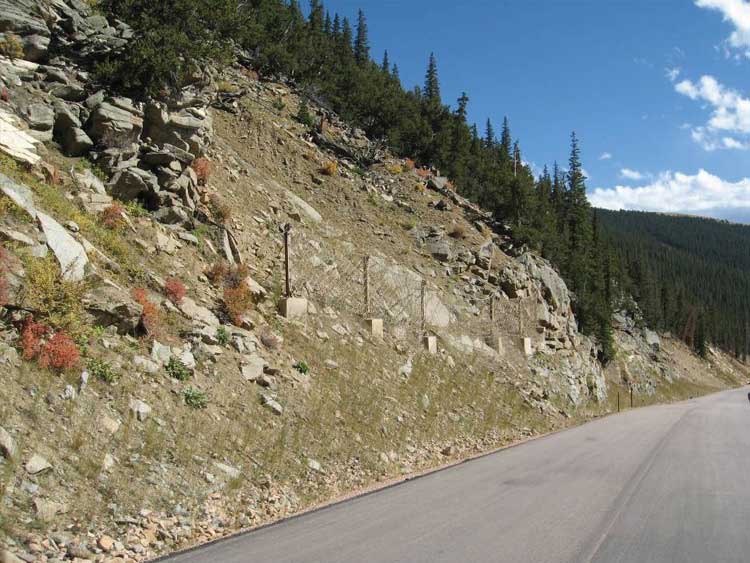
<point x="5" y="95"/>
<point x="150" y="318"/>
<point x="31" y="337"/>
<point x="202" y="167"/>
<point x="59" y="352"/>
<point x="423" y="172"/>
<point x="175" y="290"/>
<point x="237" y="302"/>
<point x="409" y="163"/>
<point x="111" y="217"/>
<point x="217" y="272"/>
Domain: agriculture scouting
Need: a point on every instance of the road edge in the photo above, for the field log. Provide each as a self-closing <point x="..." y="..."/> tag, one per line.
<point x="402" y="480"/>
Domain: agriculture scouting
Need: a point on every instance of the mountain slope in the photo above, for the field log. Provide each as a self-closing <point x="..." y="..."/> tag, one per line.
<point x="687" y="272"/>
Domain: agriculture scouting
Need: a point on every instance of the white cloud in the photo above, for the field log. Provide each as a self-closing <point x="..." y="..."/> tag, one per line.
<point x="675" y="192"/>
<point x="630" y="174"/>
<point x="737" y="13"/>
<point x="672" y="73"/>
<point x="605" y="156"/>
<point x="730" y="113"/>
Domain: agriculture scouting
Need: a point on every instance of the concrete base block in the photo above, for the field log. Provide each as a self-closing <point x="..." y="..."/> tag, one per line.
<point x="375" y="326"/>
<point x="496" y="343"/>
<point x="293" y="308"/>
<point x="430" y="344"/>
<point x="527" y="347"/>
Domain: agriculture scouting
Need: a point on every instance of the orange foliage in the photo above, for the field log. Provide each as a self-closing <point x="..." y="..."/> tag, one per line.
<point x="202" y="167"/>
<point x="217" y="272"/>
<point x="31" y="337"/>
<point x="330" y="168"/>
<point x="59" y="352"/>
<point x="237" y="301"/>
<point x="409" y="163"/>
<point x="150" y="318"/>
<point x="423" y="172"/>
<point x="111" y="216"/>
<point x="175" y="290"/>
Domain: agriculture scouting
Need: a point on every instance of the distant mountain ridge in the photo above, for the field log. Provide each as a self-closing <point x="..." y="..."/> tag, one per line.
<point x="691" y="273"/>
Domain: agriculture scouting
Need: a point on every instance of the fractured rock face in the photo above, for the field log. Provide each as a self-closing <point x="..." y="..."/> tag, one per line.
<point x="69" y="252"/>
<point x="113" y="125"/>
<point x="112" y="306"/>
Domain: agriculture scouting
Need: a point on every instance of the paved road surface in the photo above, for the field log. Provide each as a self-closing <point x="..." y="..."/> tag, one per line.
<point x="666" y="483"/>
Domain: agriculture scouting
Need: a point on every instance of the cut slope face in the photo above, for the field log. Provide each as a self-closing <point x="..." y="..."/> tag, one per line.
<point x="195" y="408"/>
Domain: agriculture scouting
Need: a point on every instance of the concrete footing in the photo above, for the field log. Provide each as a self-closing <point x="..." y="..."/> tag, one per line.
<point x="430" y="344"/>
<point x="293" y="308"/>
<point x="375" y="326"/>
<point x="527" y="346"/>
<point x="496" y="343"/>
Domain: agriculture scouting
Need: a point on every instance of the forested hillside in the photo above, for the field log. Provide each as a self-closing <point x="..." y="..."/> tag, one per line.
<point x="690" y="275"/>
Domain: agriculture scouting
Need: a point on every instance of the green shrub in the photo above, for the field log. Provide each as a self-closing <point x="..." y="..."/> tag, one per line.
<point x="178" y="370"/>
<point x="304" y="116"/>
<point x="102" y="370"/>
<point x="195" y="398"/>
<point x="302" y="367"/>
<point x="222" y="335"/>
<point x="11" y="47"/>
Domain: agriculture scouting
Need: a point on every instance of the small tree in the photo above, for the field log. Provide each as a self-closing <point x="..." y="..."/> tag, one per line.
<point x="303" y="114"/>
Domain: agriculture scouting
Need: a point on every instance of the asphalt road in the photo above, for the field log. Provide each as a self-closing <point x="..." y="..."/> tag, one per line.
<point x="665" y="483"/>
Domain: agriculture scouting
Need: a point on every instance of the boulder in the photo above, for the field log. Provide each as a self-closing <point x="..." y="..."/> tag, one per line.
<point x="303" y="207"/>
<point x="23" y="17"/>
<point x="652" y="339"/>
<point x="111" y="306"/>
<point x="88" y="181"/>
<point x="440" y="250"/>
<point x="35" y="48"/>
<point x="198" y="313"/>
<point x="39" y="116"/>
<point x="75" y="142"/>
<point x="133" y="183"/>
<point x="7" y="444"/>
<point x="140" y="409"/>
<point x="113" y="126"/>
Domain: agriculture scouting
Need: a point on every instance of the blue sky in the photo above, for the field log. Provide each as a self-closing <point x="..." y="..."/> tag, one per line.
<point x="657" y="91"/>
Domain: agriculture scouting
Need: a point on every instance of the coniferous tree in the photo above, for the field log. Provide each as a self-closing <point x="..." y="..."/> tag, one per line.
<point x="431" y="84"/>
<point x="489" y="135"/>
<point x="362" y="43"/>
<point x="506" y="142"/>
<point x="386" y="64"/>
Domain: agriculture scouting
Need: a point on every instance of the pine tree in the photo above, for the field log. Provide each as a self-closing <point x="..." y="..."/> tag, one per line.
<point x="431" y="83"/>
<point x="345" y="43"/>
<point x="701" y="347"/>
<point x="395" y="74"/>
<point x="506" y="142"/>
<point x="328" y="26"/>
<point x="316" y="18"/>
<point x="362" y="43"/>
<point x="336" y="31"/>
<point x="386" y="64"/>
<point x="489" y="135"/>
